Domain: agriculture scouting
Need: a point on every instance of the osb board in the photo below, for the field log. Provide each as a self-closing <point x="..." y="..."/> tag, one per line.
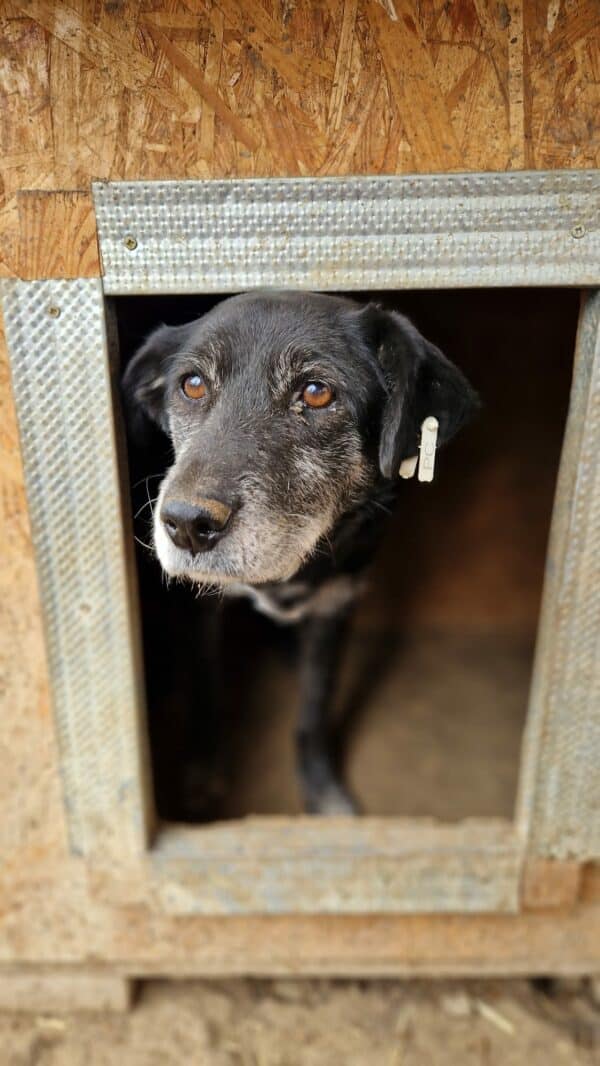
<point x="120" y="89"/>
<point x="30" y="804"/>
<point x="124" y="90"/>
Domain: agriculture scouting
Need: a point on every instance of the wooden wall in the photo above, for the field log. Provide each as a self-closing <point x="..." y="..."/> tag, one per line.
<point x="123" y="89"/>
<point x="132" y="89"/>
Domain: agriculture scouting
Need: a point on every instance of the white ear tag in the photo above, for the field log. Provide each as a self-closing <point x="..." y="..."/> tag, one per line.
<point x="408" y="466"/>
<point x="429" y="432"/>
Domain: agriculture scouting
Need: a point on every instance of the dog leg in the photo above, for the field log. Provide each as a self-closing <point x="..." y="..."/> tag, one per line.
<point x="203" y="776"/>
<point x="322" y="641"/>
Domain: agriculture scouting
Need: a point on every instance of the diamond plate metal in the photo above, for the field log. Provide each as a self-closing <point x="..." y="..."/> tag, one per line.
<point x="440" y="231"/>
<point x="58" y="350"/>
<point x="559" y="805"/>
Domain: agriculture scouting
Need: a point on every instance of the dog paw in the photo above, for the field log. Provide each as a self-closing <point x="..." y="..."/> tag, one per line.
<point x="334" y="800"/>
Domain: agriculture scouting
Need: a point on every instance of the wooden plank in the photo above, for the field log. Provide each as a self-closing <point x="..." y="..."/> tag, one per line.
<point x="549" y="883"/>
<point x="39" y="990"/>
<point x="590" y="883"/>
<point x="537" y="943"/>
<point x="57" y="235"/>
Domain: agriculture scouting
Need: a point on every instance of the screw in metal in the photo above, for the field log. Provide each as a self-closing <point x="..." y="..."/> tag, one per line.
<point x="54" y="311"/>
<point x="130" y="243"/>
<point x="578" y="230"/>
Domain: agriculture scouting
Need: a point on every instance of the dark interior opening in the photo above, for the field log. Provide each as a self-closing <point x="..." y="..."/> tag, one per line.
<point x="433" y="697"/>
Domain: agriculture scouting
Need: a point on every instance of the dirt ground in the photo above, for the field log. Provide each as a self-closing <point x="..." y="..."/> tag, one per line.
<point x="320" y="1023"/>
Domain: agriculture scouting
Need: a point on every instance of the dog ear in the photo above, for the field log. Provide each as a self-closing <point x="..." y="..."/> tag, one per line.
<point x="419" y="382"/>
<point x="144" y="380"/>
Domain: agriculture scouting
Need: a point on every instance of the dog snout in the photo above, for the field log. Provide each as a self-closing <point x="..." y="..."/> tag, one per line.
<point x="196" y="527"/>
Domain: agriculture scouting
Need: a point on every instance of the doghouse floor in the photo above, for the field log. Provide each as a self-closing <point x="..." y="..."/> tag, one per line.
<point x="436" y="680"/>
<point x="432" y="724"/>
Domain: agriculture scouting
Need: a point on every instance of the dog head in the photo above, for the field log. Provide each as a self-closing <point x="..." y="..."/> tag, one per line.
<point x="285" y="411"/>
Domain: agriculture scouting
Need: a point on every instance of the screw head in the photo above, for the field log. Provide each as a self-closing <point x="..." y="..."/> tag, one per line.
<point x="53" y="311"/>
<point x="130" y="243"/>
<point x="578" y="230"/>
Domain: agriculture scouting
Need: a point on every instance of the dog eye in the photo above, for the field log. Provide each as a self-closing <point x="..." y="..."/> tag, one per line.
<point x="317" y="394"/>
<point x="193" y="387"/>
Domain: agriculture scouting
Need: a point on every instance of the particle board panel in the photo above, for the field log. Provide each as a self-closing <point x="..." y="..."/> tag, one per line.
<point x="549" y="883"/>
<point x="234" y="89"/>
<point x="36" y="990"/>
<point x="57" y="235"/>
<point x="32" y="823"/>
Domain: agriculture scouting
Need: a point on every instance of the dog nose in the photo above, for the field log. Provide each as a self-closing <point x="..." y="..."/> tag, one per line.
<point x="195" y="527"/>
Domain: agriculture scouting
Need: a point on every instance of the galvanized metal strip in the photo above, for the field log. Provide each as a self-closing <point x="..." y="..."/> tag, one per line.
<point x="335" y="866"/>
<point x="58" y="352"/>
<point x="438" y="231"/>
<point x="559" y="802"/>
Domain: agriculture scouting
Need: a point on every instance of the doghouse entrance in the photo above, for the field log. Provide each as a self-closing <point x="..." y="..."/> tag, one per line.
<point x="481" y="528"/>
<point x="434" y="690"/>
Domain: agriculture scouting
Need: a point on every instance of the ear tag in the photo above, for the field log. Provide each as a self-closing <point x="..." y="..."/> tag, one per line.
<point x="408" y="466"/>
<point x="427" y="447"/>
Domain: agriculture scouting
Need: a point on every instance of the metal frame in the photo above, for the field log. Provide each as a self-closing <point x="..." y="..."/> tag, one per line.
<point x="426" y="232"/>
<point x="558" y="807"/>
<point x="438" y="232"/>
<point x="58" y="344"/>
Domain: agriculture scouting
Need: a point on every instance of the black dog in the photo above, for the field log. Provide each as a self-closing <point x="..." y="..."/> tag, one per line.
<point x="290" y="414"/>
